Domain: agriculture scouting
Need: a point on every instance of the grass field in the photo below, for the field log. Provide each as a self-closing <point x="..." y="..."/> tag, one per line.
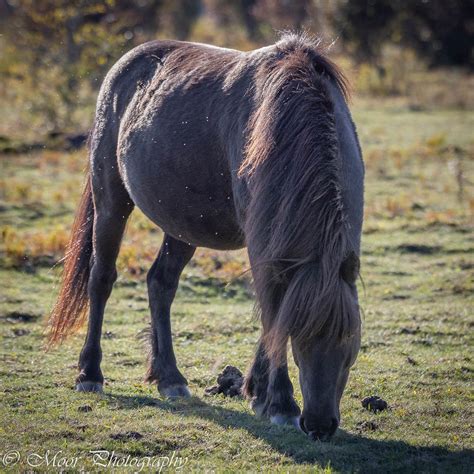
<point x="416" y="353"/>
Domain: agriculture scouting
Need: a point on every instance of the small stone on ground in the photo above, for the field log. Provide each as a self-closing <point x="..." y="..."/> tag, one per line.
<point x="126" y="436"/>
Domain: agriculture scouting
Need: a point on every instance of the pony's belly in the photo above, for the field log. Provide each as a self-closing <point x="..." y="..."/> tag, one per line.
<point x="191" y="205"/>
<point x="194" y="222"/>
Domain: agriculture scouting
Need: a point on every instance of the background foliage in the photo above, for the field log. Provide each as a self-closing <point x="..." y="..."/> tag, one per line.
<point x="56" y="52"/>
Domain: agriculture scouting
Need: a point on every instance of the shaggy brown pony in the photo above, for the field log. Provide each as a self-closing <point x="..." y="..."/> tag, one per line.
<point x="224" y="149"/>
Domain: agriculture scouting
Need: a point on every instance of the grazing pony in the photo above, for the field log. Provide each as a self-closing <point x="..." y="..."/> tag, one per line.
<point x="226" y="149"/>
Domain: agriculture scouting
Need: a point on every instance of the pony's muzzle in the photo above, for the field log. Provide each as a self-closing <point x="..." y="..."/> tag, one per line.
<point x="319" y="430"/>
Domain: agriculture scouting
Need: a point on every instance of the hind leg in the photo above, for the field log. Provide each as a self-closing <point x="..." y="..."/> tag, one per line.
<point x="271" y="391"/>
<point x="111" y="213"/>
<point x="163" y="279"/>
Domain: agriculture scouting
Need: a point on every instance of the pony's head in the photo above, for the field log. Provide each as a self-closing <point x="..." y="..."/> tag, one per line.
<point x="324" y="363"/>
<point x="320" y="314"/>
<point x="323" y="373"/>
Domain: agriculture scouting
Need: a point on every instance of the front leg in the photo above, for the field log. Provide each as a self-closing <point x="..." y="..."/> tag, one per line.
<point x="281" y="406"/>
<point x="163" y="279"/>
<point x="270" y="390"/>
<point x="256" y="381"/>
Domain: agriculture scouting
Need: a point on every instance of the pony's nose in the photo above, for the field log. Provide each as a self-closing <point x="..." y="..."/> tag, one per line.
<point x="321" y="429"/>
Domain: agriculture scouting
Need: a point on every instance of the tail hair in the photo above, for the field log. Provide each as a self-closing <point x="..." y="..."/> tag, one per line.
<point x="70" y="310"/>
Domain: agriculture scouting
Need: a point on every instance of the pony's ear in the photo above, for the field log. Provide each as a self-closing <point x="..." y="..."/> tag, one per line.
<point x="350" y="268"/>
<point x="326" y="67"/>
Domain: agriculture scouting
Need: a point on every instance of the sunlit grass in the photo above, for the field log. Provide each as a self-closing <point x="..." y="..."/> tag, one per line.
<point x="417" y="301"/>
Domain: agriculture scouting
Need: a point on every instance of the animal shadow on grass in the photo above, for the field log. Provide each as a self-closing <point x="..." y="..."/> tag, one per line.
<point x="345" y="452"/>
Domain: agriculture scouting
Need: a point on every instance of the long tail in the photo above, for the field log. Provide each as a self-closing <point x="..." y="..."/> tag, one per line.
<point x="70" y="311"/>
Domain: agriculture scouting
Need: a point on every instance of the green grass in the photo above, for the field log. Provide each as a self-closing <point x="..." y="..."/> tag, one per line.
<point x="417" y="331"/>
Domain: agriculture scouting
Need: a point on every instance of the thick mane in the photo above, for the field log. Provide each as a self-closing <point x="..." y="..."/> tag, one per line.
<point x="296" y="226"/>
<point x="313" y="48"/>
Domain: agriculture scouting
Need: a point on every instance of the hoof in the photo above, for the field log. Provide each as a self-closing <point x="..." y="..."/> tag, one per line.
<point x="280" y="419"/>
<point x="175" y="391"/>
<point x="89" y="387"/>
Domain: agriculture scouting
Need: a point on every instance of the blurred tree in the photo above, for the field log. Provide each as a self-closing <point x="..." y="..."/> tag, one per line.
<point x="442" y="31"/>
<point x="178" y="17"/>
<point x="282" y="14"/>
<point x="56" y="47"/>
<point x="364" y="25"/>
<point x="228" y="13"/>
<point x="313" y="16"/>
